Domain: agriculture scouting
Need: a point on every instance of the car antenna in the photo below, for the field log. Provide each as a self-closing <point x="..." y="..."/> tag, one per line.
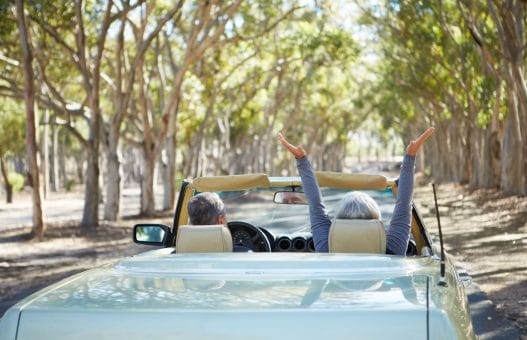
<point x="442" y="280"/>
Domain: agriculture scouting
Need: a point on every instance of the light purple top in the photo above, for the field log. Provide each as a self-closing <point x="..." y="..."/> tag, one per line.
<point x="398" y="233"/>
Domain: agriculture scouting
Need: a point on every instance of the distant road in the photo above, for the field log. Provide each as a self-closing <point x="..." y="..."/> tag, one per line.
<point x="65" y="207"/>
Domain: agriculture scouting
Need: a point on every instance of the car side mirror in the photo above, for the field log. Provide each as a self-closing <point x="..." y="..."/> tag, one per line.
<point x="289" y="197"/>
<point x="152" y="234"/>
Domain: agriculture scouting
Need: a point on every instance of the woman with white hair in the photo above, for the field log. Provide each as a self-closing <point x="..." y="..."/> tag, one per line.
<point x="358" y="205"/>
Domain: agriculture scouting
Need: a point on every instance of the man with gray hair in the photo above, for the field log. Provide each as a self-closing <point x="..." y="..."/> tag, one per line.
<point x="206" y="208"/>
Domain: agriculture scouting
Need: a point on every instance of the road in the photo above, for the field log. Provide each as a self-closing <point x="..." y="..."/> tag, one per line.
<point x="64" y="207"/>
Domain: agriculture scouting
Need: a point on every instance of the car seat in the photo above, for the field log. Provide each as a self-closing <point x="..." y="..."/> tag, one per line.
<point x="357" y="236"/>
<point x="203" y="239"/>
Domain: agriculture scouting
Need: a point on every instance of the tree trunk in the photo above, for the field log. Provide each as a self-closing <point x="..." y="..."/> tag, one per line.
<point x="493" y="141"/>
<point x="113" y="178"/>
<point x="8" y="186"/>
<point x="80" y="166"/>
<point x="522" y="125"/>
<point x="511" y="146"/>
<point x="63" y="177"/>
<point x="453" y="170"/>
<point x="122" y="99"/>
<point x="90" y="215"/>
<point x="54" y="164"/>
<point x="509" y="19"/>
<point x="31" y="143"/>
<point x="45" y="154"/>
<point x="169" y="192"/>
<point x="147" y="184"/>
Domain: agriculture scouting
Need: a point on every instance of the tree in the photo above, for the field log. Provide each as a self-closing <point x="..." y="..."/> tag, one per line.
<point x="204" y="29"/>
<point x="458" y="65"/>
<point x="124" y="87"/>
<point x="509" y="18"/>
<point x="29" y="100"/>
<point x="83" y="42"/>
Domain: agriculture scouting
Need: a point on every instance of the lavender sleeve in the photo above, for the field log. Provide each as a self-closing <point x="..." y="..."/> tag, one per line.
<point x="318" y="214"/>
<point x="398" y="233"/>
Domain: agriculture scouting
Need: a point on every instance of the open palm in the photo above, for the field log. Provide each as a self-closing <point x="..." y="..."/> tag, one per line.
<point x="297" y="151"/>
<point x="414" y="145"/>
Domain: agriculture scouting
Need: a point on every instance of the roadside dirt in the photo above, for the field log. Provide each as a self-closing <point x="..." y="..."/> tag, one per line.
<point x="486" y="233"/>
<point x="484" y="230"/>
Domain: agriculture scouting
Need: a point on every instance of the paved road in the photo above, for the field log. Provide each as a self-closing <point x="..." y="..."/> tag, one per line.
<point x="64" y="207"/>
<point x="488" y="324"/>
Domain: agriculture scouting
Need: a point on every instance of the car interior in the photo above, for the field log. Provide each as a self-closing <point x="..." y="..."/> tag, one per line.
<point x="346" y="236"/>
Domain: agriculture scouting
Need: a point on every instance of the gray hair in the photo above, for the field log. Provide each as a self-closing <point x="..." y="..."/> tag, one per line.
<point x="358" y="205"/>
<point x="204" y="208"/>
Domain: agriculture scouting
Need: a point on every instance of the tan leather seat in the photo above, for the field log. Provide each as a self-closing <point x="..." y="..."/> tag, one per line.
<point x="357" y="236"/>
<point x="203" y="239"/>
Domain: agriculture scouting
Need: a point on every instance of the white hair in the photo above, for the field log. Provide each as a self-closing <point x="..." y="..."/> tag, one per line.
<point x="358" y="205"/>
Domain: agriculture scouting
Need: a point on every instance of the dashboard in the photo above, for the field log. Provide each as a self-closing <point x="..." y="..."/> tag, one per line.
<point x="259" y="239"/>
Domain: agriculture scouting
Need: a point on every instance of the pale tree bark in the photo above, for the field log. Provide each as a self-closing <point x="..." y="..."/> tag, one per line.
<point x="207" y="29"/>
<point x="87" y="61"/>
<point x="439" y="150"/>
<point x="31" y="143"/>
<point x="61" y="160"/>
<point x="91" y="80"/>
<point x="124" y="85"/>
<point x="511" y="147"/>
<point x="45" y="154"/>
<point x="54" y="166"/>
<point x="148" y="150"/>
<point x="489" y="166"/>
<point x="113" y="179"/>
<point x="91" y="75"/>
<point x="169" y="147"/>
<point x="509" y="18"/>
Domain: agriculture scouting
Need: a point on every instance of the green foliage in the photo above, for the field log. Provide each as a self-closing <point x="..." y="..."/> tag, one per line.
<point x="12" y="127"/>
<point x="8" y="23"/>
<point x="290" y="65"/>
<point x="17" y="181"/>
<point x="430" y="63"/>
<point x="69" y="185"/>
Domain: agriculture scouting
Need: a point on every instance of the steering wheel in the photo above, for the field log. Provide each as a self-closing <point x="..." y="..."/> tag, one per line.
<point x="249" y="236"/>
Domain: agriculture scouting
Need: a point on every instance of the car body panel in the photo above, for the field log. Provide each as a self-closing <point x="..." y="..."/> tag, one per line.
<point x="163" y="295"/>
<point x="230" y="296"/>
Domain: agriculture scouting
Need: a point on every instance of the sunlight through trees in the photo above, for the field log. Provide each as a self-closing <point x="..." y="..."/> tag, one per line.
<point x="150" y="92"/>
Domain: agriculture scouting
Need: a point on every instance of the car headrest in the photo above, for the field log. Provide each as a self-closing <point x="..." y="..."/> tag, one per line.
<point x="357" y="236"/>
<point x="203" y="239"/>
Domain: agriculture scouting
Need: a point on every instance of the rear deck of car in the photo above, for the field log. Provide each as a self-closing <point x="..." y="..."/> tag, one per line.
<point x="251" y="295"/>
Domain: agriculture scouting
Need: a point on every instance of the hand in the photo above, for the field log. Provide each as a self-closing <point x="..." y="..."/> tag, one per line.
<point x="297" y="151"/>
<point x="414" y="145"/>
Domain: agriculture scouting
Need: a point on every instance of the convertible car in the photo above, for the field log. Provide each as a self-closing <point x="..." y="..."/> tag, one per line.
<point x="194" y="286"/>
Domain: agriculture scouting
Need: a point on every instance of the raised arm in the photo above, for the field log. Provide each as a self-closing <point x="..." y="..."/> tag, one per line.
<point x="318" y="214"/>
<point x="398" y="233"/>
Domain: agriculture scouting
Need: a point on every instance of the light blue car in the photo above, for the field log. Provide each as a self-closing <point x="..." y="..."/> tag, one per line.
<point x="196" y="287"/>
